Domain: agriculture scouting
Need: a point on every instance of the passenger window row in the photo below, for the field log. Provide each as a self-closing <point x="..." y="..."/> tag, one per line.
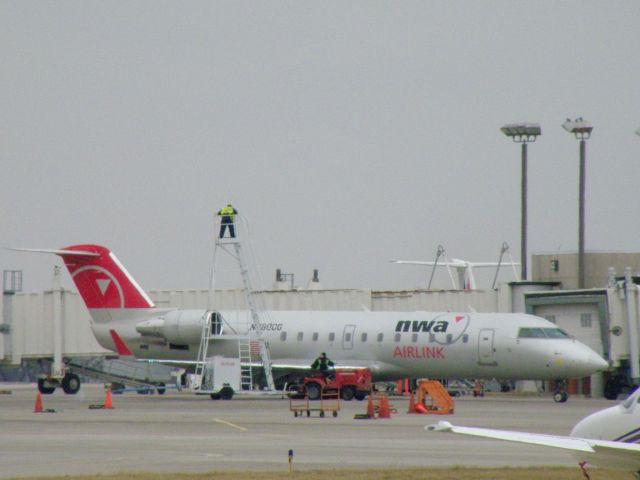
<point x="315" y="336"/>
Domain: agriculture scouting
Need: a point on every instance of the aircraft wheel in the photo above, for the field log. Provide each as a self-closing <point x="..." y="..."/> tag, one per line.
<point x="335" y="413"/>
<point x="321" y="413"/>
<point x="160" y="388"/>
<point x="71" y="383"/>
<point x="44" y="389"/>
<point x="226" y="393"/>
<point x="560" y="397"/>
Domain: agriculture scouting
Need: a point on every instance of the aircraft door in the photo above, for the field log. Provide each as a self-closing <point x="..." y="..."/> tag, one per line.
<point x="347" y="337"/>
<point x="486" y="352"/>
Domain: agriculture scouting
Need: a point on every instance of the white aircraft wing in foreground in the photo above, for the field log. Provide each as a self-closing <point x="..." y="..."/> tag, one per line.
<point x="605" y="438"/>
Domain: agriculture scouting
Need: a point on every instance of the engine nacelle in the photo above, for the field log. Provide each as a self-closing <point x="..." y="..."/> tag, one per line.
<point x="179" y="327"/>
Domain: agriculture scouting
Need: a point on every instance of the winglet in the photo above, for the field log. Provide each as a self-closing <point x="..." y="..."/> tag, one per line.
<point x="121" y="347"/>
<point x="441" y="426"/>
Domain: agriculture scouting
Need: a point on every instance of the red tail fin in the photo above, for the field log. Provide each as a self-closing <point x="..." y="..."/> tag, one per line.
<point x="101" y="279"/>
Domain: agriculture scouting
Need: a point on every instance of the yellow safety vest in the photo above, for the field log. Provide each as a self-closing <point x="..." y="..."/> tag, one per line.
<point x="226" y="211"/>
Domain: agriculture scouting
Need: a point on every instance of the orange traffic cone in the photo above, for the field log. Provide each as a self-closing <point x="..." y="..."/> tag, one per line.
<point x="371" y="411"/>
<point x="412" y="403"/>
<point x="384" y="411"/>
<point x="108" y="401"/>
<point x="38" y="407"/>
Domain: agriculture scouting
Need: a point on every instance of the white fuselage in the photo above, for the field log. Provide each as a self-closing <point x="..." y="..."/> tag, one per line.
<point x="392" y="344"/>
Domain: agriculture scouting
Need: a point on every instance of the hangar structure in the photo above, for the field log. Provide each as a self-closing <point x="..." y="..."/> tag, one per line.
<point x="48" y="326"/>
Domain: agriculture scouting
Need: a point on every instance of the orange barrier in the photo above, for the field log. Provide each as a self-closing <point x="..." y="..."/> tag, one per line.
<point x="38" y="407"/>
<point x="441" y="401"/>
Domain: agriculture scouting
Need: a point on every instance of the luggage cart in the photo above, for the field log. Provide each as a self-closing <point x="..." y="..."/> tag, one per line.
<point x="329" y="401"/>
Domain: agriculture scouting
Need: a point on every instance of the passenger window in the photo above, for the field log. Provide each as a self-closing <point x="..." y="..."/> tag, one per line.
<point x="465" y="338"/>
<point x="315" y="336"/>
<point x="347" y="337"/>
<point x="449" y="337"/>
<point x="363" y="337"/>
<point x="380" y="337"/>
<point x="332" y="337"/>
<point x="396" y="337"/>
<point x="300" y="336"/>
<point x="283" y="336"/>
<point x="414" y="337"/>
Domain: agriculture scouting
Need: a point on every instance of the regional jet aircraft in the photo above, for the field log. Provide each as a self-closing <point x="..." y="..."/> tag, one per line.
<point x="393" y="344"/>
<point x="608" y="438"/>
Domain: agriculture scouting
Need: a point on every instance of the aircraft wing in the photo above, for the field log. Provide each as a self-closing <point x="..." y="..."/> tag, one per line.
<point x="604" y="453"/>
<point x="414" y="262"/>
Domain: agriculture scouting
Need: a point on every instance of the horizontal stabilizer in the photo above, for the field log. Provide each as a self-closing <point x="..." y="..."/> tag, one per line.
<point x="57" y="252"/>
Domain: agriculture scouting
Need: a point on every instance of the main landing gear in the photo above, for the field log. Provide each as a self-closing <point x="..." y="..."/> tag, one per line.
<point x="70" y="384"/>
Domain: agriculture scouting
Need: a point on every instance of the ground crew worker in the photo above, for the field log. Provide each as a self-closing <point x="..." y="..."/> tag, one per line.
<point x="322" y="364"/>
<point x="228" y="214"/>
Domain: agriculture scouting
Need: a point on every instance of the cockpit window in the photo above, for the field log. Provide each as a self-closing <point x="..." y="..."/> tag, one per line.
<point x="532" y="332"/>
<point x="528" y="332"/>
<point x="555" y="333"/>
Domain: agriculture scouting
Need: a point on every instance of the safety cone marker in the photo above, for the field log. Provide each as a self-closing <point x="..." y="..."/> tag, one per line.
<point x="412" y="403"/>
<point x="38" y="407"/>
<point x="108" y="401"/>
<point x="371" y="411"/>
<point x="384" y="411"/>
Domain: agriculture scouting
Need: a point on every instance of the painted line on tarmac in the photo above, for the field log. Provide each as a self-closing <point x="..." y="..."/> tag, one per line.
<point x="233" y="425"/>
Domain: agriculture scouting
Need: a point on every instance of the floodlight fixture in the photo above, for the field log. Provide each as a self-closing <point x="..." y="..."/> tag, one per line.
<point x="522" y="132"/>
<point x="579" y="127"/>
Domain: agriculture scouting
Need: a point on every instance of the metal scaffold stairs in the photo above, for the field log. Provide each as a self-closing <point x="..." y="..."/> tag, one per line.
<point x="265" y="355"/>
<point x="254" y="334"/>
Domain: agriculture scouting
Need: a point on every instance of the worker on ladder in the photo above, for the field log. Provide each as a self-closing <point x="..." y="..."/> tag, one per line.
<point x="228" y="215"/>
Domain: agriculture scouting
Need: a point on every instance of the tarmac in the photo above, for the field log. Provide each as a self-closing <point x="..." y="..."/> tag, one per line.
<point x="182" y="432"/>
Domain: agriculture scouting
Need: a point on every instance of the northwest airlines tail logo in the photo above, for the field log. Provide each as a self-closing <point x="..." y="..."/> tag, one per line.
<point x="445" y="329"/>
<point x="99" y="287"/>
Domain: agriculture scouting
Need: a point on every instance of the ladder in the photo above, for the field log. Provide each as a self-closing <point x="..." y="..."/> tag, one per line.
<point x="244" y="344"/>
<point x="197" y="383"/>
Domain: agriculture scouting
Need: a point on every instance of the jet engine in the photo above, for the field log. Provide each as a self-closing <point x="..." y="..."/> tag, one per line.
<point x="179" y="327"/>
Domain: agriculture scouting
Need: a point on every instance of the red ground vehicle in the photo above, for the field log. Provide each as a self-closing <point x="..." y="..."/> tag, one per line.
<point x="350" y="382"/>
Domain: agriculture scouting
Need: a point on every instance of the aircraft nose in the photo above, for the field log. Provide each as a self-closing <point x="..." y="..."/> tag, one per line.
<point x="580" y="360"/>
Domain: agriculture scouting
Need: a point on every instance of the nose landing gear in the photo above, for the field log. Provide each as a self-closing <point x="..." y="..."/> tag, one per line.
<point x="560" y="395"/>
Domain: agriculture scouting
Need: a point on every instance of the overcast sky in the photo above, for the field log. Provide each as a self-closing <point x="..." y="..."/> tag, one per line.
<point x="347" y="133"/>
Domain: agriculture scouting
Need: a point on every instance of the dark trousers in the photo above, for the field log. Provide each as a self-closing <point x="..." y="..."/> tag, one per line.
<point x="223" y="227"/>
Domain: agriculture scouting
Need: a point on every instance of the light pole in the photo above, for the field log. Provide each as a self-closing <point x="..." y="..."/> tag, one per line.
<point x="523" y="133"/>
<point x="582" y="131"/>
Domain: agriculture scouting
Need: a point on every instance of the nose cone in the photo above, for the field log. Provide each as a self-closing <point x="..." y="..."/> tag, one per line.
<point x="596" y="425"/>
<point x="578" y="360"/>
